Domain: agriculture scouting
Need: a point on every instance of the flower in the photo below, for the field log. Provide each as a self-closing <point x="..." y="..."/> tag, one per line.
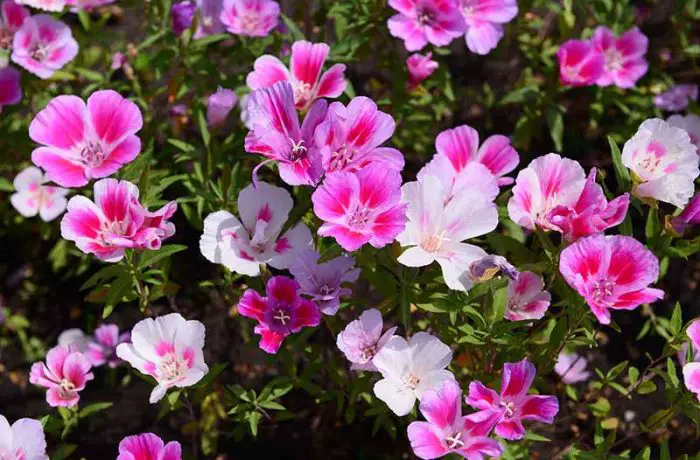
<point x="32" y="197"/>
<point x="420" y="22"/>
<point x="691" y="371"/>
<point x="276" y="134"/>
<point x="688" y="218"/>
<point x="349" y="138"/>
<point x="169" y="349"/>
<point x="420" y="68"/>
<point x="119" y="60"/>
<point x="580" y="63"/>
<point x="359" y="208"/>
<point x="527" y="298"/>
<point x="447" y="431"/>
<point x="305" y="74"/>
<point x="323" y="281"/>
<point x="242" y="245"/>
<point x="46" y="5"/>
<point x="11" y="20"/>
<point x="100" y="348"/>
<point x="182" y="14"/>
<point x="676" y="98"/>
<point x="281" y="313"/>
<point x="484" y="21"/>
<point x="43" y="45"/>
<point x="64" y="375"/>
<point x="624" y="56"/>
<point x="10" y="87"/>
<point x="663" y="161"/>
<point x="82" y="141"/>
<point x="611" y="272"/>
<point x="571" y="368"/>
<point x="409" y="369"/>
<point x="690" y="124"/>
<point x="513" y="405"/>
<point x="210" y="12"/>
<point x="487" y="267"/>
<point x="437" y="227"/>
<point x="148" y="446"/>
<point x="24" y="440"/>
<point x="362" y="339"/>
<point x="219" y="105"/>
<point x="115" y="221"/>
<point x="251" y="18"/>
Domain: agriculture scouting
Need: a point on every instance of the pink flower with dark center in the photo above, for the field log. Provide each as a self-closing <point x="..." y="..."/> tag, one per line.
<point x="513" y="405"/>
<point x="24" y="440"/>
<point x="420" y="68"/>
<point x="219" y="104"/>
<point x="251" y="18"/>
<point x="676" y="98"/>
<point x="484" y="21"/>
<point x="86" y="141"/>
<point x="64" y="375"/>
<point x="281" y="313"/>
<point x="11" y="20"/>
<point x="10" y="87"/>
<point x="359" y="208"/>
<point x="362" y="339"/>
<point x="688" y="218"/>
<point x="691" y="371"/>
<point x="690" y="124"/>
<point x="625" y="61"/>
<point x="420" y="22"/>
<point x="43" y="45"/>
<point x="306" y="75"/>
<point x="32" y="197"/>
<point x="148" y="446"/>
<point x="527" y="299"/>
<point x="611" y="272"/>
<point x="571" y="368"/>
<point x="580" y="63"/>
<point x="210" y="12"/>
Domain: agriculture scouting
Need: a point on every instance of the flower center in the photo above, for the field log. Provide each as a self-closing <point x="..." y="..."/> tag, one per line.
<point x="250" y="23"/>
<point x="510" y="408"/>
<point x="328" y="292"/>
<point x="67" y="388"/>
<point x="454" y="441"/>
<point x="424" y="18"/>
<point x="431" y="243"/>
<point x="359" y="218"/>
<point x="302" y="92"/>
<point x="39" y="52"/>
<point x="282" y="317"/>
<point x="368" y="353"/>
<point x="298" y="150"/>
<point x="411" y="380"/>
<point x="341" y="158"/>
<point x="613" y="60"/>
<point x="602" y="289"/>
<point x="171" y="368"/>
<point x="92" y="154"/>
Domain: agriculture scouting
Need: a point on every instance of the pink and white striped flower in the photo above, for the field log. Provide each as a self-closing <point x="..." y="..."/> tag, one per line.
<point x="24" y="440"/>
<point x="43" y="45"/>
<point x="10" y="87"/>
<point x="250" y="18"/>
<point x="527" y="299"/>
<point x="362" y="339"/>
<point x="32" y="197"/>
<point x="420" y="22"/>
<point x="484" y="21"/>
<point x="580" y="63"/>
<point x="148" y="446"/>
<point x="64" y="375"/>
<point x="624" y="56"/>
<point x="11" y="20"/>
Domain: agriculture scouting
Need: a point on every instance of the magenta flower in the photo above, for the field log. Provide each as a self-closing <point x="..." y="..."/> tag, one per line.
<point x="103" y="346"/>
<point x="11" y="20"/>
<point x="148" y="446"/>
<point x="219" y="105"/>
<point x="420" y="22"/>
<point x="10" y="87"/>
<point x="359" y="208"/>
<point x="362" y="339"/>
<point x="281" y="313"/>
<point x="571" y="368"/>
<point x="251" y="18"/>
<point x="306" y="75"/>
<point x="182" y="14"/>
<point x="688" y="218"/>
<point x="513" y="405"/>
<point x="64" y="375"/>
<point x="24" y="440"/>
<point x="210" y="12"/>
<point x="420" y="68"/>
<point x="323" y="282"/>
<point x="624" y="56"/>
<point x="580" y="63"/>
<point x="611" y="272"/>
<point x="43" y="45"/>
<point x="484" y="21"/>
<point x="85" y="141"/>
<point x="527" y="299"/>
<point x="677" y="98"/>
<point x="350" y="137"/>
<point x="32" y="197"/>
<point x="447" y="431"/>
<point x="690" y="124"/>
<point x="691" y="371"/>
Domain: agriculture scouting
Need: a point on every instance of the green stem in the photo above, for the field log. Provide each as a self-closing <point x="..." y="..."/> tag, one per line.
<point x="141" y="290"/>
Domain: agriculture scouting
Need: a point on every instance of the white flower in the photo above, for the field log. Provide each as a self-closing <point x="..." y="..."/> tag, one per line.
<point x="33" y="197"/>
<point x="690" y="124"/>
<point x="23" y="440"/>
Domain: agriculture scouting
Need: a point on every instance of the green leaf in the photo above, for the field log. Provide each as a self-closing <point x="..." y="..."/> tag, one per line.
<point x="273" y="405"/>
<point x="211" y="375"/>
<point x="672" y="375"/>
<point x="204" y="128"/>
<point x="646" y="387"/>
<point x="617" y="370"/>
<point x="6" y="185"/>
<point x="555" y="120"/>
<point x="633" y="375"/>
<point x="103" y="275"/>
<point x="84" y="18"/>
<point x="601" y="407"/>
<point x="293" y="29"/>
<point x="622" y="175"/>
<point x="652" y="228"/>
<point x="151" y="257"/>
<point x="253" y="421"/>
<point x="94" y="408"/>
<point x="676" y="323"/>
<point x="117" y="290"/>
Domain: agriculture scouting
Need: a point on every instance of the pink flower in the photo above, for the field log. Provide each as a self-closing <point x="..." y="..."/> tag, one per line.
<point x="447" y="431"/>
<point x="484" y="20"/>
<point x="690" y="124"/>
<point x="251" y="18"/>
<point x="210" y="12"/>
<point x="119" y="60"/>
<point x="580" y="63"/>
<point x="571" y="368"/>
<point x="64" y="375"/>
<point x="691" y="371"/>
<point x="148" y="446"/>
<point x="420" y="68"/>
<point x="676" y="98"/>
<point x="24" y="440"/>
<point x="85" y="141"/>
<point x="219" y="105"/>
<point x="46" y="5"/>
<point x="527" y="298"/>
<point x="611" y="272"/>
<point x="624" y="56"/>
<point x="169" y="349"/>
<point x="43" y="45"/>
<point x="362" y="339"/>
<point x="359" y="208"/>
<point x="513" y="405"/>
<point x="115" y="221"/>
<point x="281" y="313"/>
<point x="102" y="349"/>
<point x="10" y="87"/>
<point x="276" y="134"/>
<point x="11" y="20"/>
<point x="32" y="197"/>
<point x="688" y="218"/>
<point x="306" y="75"/>
<point x="350" y="137"/>
<point x="422" y="21"/>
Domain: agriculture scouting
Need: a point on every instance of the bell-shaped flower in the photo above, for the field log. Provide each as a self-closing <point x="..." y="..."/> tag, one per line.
<point x="690" y="124"/>
<point x="362" y="339"/>
<point x="148" y="446"/>
<point x="624" y="56"/>
<point x="676" y="98"/>
<point x="10" y="87"/>
<point x="24" y="440"/>
<point x="32" y="197"/>
<point x="250" y="18"/>
<point x="43" y="45"/>
<point x="420" y="68"/>
<point x="219" y="105"/>
<point x="12" y="16"/>
<point x="527" y="299"/>
<point x="484" y="21"/>
<point x="64" y="375"/>
<point x="420" y="22"/>
<point x="571" y="367"/>
<point x="580" y="63"/>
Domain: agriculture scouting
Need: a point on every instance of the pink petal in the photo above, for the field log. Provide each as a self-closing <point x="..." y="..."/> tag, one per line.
<point x="517" y="378"/>
<point x="125" y="152"/>
<point x="113" y="116"/>
<point x="484" y="37"/>
<point x="424" y="441"/>
<point x="142" y="446"/>
<point x="693" y="333"/>
<point x="540" y="408"/>
<point x="252" y="305"/>
<point x="497" y="154"/>
<point x="58" y="169"/>
<point x="442" y="408"/>
<point x="408" y="30"/>
<point x="61" y="124"/>
<point x="307" y="315"/>
<point x="267" y="71"/>
<point x="307" y="61"/>
<point x="511" y="430"/>
<point x="459" y="145"/>
<point x="481" y="397"/>
<point x="83" y="220"/>
<point x="282" y="290"/>
<point x="336" y="196"/>
<point x="270" y="341"/>
<point x="10" y="87"/>
<point x="332" y="83"/>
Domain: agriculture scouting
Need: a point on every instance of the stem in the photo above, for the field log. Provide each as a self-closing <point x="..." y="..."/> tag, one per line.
<point x="141" y="290"/>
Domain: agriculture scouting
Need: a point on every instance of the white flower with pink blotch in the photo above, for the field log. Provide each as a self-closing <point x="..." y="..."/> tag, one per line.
<point x="420" y="22"/>
<point x="169" y="349"/>
<point x="571" y="367"/>
<point x="250" y="18"/>
<point x="305" y="74"/>
<point x="32" y="197"/>
<point x="100" y="348"/>
<point x="420" y="68"/>
<point x="527" y="299"/>
<point x="43" y="45"/>
<point x="11" y="20"/>
<point x="242" y="245"/>
<point x="362" y="339"/>
<point x="24" y="440"/>
<point x="148" y="446"/>
<point x="624" y="56"/>
<point x="663" y="161"/>
<point x="10" y="87"/>
<point x="64" y="375"/>
<point x="690" y="124"/>
<point x="409" y="369"/>
<point x="691" y="371"/>
<point x="484" y="21"/>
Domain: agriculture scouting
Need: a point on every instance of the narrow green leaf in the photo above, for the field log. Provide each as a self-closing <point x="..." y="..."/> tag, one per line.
<point x="622" y="175"/>
<point x="94" y="408"/>
<point x="151" y="257"/>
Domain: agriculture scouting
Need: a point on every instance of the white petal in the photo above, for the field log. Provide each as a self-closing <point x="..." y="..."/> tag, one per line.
<point x="31" y="176"/>
<point x="416" y="257"/>
<point x="74" y="337"/>
<point x="433" y="381"/>
<point x="5" y="434"/>
<point x="26" y="203"/>
<point x="29" y="435"/>
<point x="274" y="203"/>
<point x="297" y="240"/>
<point x="211" y="241"/>
<point x="394" y="359"/>
<point x="455" y="261"/>
<point x="428" y="353"/>
<point x="157" y="394"/>
<point x="400" y="399"/>
<point x="52" y="208"/>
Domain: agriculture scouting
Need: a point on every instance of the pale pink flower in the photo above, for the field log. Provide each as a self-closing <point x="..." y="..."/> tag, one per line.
<point x="169" y="349"/>
<point x="119" y="60"/>
<point x="447" y="431"/>
<point x="611" y="272"/>
<point x="484" y="21"/>
<point x="281" y="313"/>
<point x="420" y="68"/>
<point x="663" y="161"/>
<point x="251" y="18"/>
<point x="43" y="45"/>
<point x="580" y="63"/>
<point x="690" y="124"/>
<point x="64" y="375"/>
<point x="46" y="5"/>
<point x="219" y="104"/>
<point x="148" y="446"/>
<point x="625" y="61"/>
<point x="688" y="218"/>
<point x="571" y="368"/>
<point x="513" y="405"/>
<point x="420" y="22"/>
<point x="86" y="141"/>
<point x="676" y="98"/>
<point x="210" y="12"/>
<point x="305" y="74"/>
<point x="242" y="245"/>
<point x="24" y="440"/>
<point x="32" y="197"/>
<point x="11" y="20"/>
<point x="359" y="208"/>
<point x="362" y="339"/>
<point x="10" y="87"/>
<point x="527" y="299"/>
